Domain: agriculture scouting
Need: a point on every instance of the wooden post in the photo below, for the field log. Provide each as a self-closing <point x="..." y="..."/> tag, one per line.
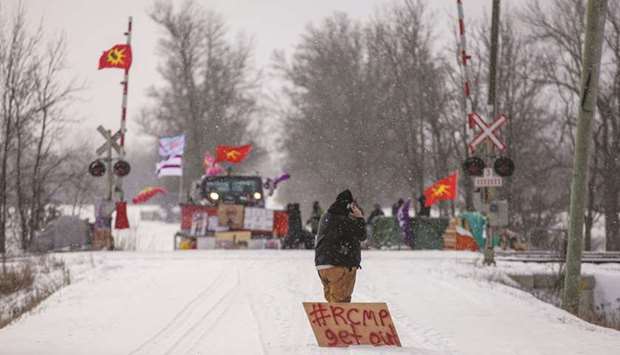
<point x="489" y="192"/>
<point x="595" y="25"/>
<point x="468" y="103"/>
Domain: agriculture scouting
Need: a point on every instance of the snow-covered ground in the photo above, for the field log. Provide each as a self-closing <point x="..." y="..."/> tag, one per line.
<point x="249" y="302"/>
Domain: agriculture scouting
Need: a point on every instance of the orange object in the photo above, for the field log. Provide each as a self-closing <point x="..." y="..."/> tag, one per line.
<point x="465" y="242"/>
<point x="118" y="56"/>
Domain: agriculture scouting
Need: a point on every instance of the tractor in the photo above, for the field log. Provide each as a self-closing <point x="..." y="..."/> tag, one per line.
<point x="229" y="212"/>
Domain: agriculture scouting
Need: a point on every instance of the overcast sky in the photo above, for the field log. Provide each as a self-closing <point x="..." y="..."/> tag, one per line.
<point x="91" y="26"/>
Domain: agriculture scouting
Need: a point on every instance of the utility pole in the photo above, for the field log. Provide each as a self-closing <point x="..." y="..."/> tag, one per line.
<point x="595" y="24"/>
<point x="488" y="193"/>
<point x="468" y="103"/>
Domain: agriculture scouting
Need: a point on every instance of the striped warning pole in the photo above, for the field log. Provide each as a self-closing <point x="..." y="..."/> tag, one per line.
<point x="125" y="83"/>
<point x="464" y="57"/>
<point x="125" y="89"/>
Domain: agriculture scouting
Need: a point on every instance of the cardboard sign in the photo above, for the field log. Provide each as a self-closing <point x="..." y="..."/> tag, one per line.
<point x="259" y="219"/>
<point x="344" y="324"/>
<point x="230" y="216"/>
<point x="229" y="240"/>
<point x="187" y="214"/>
<point x="214" y="225"/>
<point x="200" y="221"/>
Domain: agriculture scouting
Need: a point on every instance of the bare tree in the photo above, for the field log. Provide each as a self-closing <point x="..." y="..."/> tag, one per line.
<point x="368" y="98"/>
<point x="210" y="88"/>
<point x="561" y="28"/>
<point x="403" y="44"/>
<point x="31" y="116"/>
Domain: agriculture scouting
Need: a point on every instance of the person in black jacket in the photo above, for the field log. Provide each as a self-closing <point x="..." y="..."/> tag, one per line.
<point x="424" y="211"/>
<point x="338" y="252"/>
<point x="315" y="217"/>
<point x="377" y="212"/>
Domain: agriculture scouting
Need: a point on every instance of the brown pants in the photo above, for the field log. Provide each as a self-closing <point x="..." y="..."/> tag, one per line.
<point x="338" y="283"/>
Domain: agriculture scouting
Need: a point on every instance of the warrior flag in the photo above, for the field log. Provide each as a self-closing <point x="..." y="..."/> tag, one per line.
<point x="173" y="166"/>
<point x="232" y="154"/>
<point x="444" y="189"/>
<point x="170" y="146"/>
<point x="118" y="56"/>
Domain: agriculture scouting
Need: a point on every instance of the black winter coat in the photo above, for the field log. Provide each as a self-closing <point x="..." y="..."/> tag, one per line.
<point x="338" y="240"/>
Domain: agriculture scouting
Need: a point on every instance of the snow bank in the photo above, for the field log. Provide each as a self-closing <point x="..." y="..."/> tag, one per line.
<point x="249" y="302"/>
<point x="48" y="275"/>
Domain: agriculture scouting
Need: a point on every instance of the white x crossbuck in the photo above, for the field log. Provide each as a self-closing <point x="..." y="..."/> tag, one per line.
<point x="487" y="131"/>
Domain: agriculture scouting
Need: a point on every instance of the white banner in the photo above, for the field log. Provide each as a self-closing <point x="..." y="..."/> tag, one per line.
<point x="170" y="146"/>
<point x="259" y="219"/>
<point x="172" y="166"/>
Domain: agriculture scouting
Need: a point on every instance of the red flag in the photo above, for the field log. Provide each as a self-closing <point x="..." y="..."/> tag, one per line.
<point x="118" y="56"/>
<point x="147" y="194"/>
<point x="121" y="221"/>
<point x="444" y="189"/>
<point x="232" y="154"/>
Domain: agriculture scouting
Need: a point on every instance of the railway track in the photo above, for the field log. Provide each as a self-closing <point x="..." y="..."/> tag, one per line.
<point x="544" y="256"/>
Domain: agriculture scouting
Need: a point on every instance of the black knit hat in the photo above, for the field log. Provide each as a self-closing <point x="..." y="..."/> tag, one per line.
<point x="345" y="196"/>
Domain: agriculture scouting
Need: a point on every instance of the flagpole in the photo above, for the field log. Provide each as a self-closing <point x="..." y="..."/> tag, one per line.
<point x="124" y="109"/>
<point x="125" y="90"/>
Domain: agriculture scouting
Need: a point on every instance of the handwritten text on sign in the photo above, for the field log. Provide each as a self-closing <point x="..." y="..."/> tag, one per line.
<point x="344" y="324"/>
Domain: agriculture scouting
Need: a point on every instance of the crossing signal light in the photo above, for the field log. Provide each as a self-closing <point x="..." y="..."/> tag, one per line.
<point x="504" y="166"/>
<point x="96" y="168"/>
<point x="474" y="166"/>
<point x="121" y="168"/>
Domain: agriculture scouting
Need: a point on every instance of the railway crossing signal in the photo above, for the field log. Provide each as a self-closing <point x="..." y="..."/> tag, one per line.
<point x="121" y="168"/>
<point x="96" y="168"/>
<point x="487" y="131"/>
<point x="474" y="166"/>
<point x="504" y="166"/>
<point x="110" y="140"/>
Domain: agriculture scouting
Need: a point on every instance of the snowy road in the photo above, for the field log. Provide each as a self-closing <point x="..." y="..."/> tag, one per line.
<point x="249" y="302"/>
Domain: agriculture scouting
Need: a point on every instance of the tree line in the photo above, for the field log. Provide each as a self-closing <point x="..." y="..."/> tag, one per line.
<point x="378" y="106"/>
<point x="37" y="165"/>
<point x="374" y="105"/>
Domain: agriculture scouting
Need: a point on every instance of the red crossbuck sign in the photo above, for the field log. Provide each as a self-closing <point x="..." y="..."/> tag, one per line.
<point x="487" y="131"/>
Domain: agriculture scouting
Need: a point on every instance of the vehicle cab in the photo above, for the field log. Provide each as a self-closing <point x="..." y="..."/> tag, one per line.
<point x="238" y="190"/>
